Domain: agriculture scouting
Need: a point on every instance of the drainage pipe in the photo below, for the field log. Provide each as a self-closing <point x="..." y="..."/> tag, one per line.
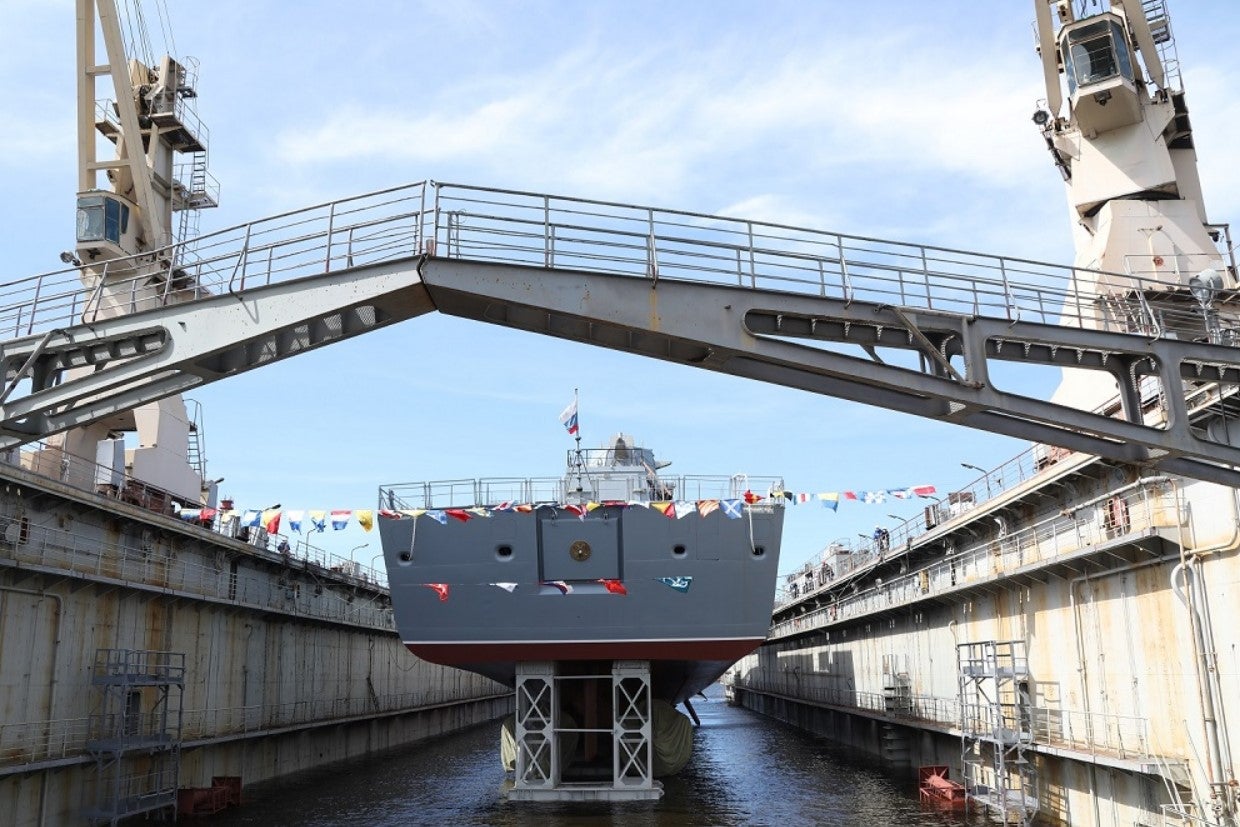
<point x="1115" y="492"/>
<point x="1205" y="660"/>
<point x="1216" y="770"/>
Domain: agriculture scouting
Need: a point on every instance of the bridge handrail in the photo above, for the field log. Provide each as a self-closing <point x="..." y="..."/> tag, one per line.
<point x="533" y="229"/>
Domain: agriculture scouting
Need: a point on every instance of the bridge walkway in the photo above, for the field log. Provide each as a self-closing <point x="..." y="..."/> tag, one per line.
<point x="903" y="326"/>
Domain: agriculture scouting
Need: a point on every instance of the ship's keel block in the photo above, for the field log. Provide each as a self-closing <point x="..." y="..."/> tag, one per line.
<point x="583" y="732"/>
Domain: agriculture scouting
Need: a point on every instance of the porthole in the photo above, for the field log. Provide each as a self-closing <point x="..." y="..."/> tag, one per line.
<point x="759" y="551"/>
<point x="678" y="550"/>
<point x="406" y="556"/>
<point x="504" y="552"/>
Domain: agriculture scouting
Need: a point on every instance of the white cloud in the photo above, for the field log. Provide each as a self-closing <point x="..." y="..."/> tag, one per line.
<point x="356" y="135"/>
<point x="776" y="209"/>
<point x="602" y="123"/>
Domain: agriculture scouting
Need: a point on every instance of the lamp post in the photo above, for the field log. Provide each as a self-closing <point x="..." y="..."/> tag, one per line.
<point x="380" y="574"/>
<point x="1205" y="286"/>
<point x="985" y="475"/>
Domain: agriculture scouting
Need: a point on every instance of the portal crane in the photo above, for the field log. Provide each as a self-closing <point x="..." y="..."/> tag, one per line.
<point x="124" y="248"/>
<point x="1123" y="142"/>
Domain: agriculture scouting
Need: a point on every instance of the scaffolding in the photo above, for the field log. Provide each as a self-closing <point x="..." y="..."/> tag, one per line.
<point x="996" y="729"/>
<point x="584" y="735"/>
<point x="136" y="732"/>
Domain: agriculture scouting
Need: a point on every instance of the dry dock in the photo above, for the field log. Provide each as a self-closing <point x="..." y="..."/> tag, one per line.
<point x="141" y="655"/>
<point x="1057" y="634"/>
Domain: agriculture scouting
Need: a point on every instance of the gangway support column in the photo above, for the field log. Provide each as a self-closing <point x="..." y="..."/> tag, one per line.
<point x="538" y="759"/>
<point x="561" y="708"/>
<point x="632" y="737"/>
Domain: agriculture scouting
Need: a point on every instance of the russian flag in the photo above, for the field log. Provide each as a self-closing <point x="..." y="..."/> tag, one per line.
<point x="569" y="417"/>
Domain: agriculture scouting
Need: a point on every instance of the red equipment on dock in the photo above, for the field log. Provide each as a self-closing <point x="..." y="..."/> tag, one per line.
<point x="939" y="790"/>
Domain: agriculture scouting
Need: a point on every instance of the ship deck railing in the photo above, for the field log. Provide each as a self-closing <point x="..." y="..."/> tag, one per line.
<point x="844" y="557"/>
<point x="28" y="742"/>
<point x="486" y="224"/>
<point x="138" y="667"/>
<point x="217" y="721"/>
<point x="489" y="492"/>
<point x="61" y="550"/>
<point x="1173" y="815"/>
<point x="53" y="463"/>
<point x="134" y="794"/>
<point x="1094" y="733"/>
<point x="1148" y="507"/>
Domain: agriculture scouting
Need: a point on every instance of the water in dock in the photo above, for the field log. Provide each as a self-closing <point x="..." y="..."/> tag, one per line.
<point x="746" y="770"/>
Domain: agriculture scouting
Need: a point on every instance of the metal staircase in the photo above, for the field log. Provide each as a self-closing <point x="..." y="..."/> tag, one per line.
<point x="136" y="733"/>
<point x="996" y="729"/>
<point x="907" y="327"/>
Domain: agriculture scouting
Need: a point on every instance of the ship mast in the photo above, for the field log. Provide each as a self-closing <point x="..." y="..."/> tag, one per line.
<point x="125" y="251"/>
<point x="578" y="461"/>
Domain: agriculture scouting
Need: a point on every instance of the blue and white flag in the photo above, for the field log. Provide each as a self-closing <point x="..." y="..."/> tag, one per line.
<point x="732" y="508"/>
<point x="440" y="517"/>
<point x="318" y="521"/>
<point x="680" y="584"/>
<point x="294" y="520"/>
<point x="252" y="518"/>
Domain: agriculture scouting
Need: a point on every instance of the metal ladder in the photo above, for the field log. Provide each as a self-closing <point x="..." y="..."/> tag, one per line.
<point x="1157" y="16"/>
<point x="195" y="451"/>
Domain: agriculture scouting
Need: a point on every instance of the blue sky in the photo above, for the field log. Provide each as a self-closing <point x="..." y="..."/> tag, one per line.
<point x="902" y="120"/>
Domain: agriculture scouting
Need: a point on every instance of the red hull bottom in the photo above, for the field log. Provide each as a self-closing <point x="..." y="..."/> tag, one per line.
<point x="679" y="669"/>
<point x="462" y="654"/>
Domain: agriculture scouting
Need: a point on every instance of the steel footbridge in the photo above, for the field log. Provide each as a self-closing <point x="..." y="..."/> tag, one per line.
<point x="902" y="326"/>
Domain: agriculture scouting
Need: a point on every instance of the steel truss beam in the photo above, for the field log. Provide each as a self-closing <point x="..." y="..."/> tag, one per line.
<point x="766" y="335"/>
<point x="758" y="334"/>
<point x="73" y="376"/>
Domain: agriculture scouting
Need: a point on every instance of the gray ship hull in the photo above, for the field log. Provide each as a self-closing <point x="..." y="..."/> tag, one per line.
<point x="623" y="582"/>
